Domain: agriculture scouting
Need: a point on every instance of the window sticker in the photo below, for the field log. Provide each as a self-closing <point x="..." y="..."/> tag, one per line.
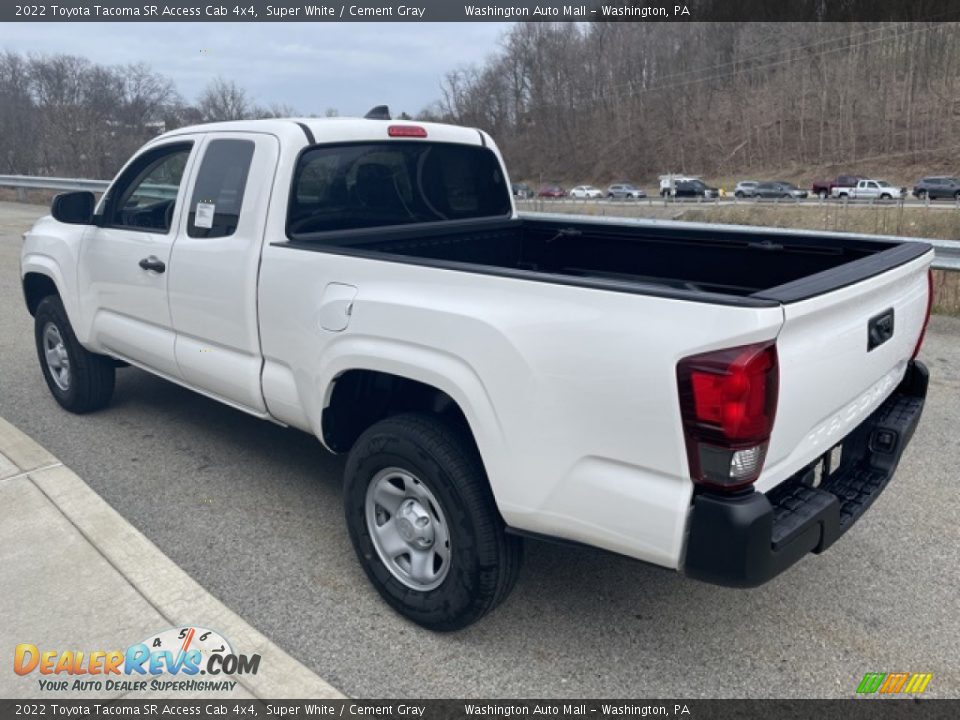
<point x="204" y="215"/>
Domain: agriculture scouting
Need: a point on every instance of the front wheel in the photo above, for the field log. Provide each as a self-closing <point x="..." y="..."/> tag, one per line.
<point x="81" y="381"/>
<point x="823" y="194"/>
<point x="424" y="523"/>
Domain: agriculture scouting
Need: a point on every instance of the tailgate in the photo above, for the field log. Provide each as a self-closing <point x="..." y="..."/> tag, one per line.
<point x="829" y="380"/>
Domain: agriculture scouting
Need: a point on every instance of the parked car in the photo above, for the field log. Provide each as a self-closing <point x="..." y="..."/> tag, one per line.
<point x="551" y="191"/>
<point x="746" y="189"/>
<point x="870" y="190"/>
<point x="628" y="191"/>
<point x="695" y="188"/>
<point x="824" y="188"/>
<point x="490" y="375"/>
<point x="780" y="189"/>
<point x="585" y="192"/>
<point x="522" y="191"/>
<point x="937" y="188"/>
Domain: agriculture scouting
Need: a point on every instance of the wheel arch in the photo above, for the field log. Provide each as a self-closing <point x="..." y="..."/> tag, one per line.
<point x="41" y="275"/>
<point x="360" y="397"/>
<point x="37" y="286"/>
<point x="359" y="391"/>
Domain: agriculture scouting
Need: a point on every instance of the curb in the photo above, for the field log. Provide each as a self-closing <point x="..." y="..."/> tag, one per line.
<point x="177" y="597"/>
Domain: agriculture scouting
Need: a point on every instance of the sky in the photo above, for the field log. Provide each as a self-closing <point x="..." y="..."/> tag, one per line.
<point x="310" y="66"/>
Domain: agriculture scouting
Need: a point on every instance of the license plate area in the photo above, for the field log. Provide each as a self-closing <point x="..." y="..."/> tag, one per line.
<point x="827" y="465"/>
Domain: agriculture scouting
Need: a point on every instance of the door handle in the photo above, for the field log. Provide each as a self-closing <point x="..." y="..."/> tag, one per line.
<point x="153" y="263"/>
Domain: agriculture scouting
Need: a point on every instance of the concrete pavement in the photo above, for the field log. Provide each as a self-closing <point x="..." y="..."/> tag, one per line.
<point x="74" y="575"/>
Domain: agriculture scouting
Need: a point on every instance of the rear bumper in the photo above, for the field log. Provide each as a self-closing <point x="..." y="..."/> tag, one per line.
<point x="745" y="540"/>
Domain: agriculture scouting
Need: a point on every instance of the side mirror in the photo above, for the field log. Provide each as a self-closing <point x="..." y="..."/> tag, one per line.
<point x="74" y="208"/>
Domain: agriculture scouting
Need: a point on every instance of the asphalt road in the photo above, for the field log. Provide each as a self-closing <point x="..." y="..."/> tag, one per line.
<point x="252" y="511"/>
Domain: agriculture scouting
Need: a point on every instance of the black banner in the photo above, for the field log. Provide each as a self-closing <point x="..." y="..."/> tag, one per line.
<point x="486" y="11"/>
<point x="854" y="709"/>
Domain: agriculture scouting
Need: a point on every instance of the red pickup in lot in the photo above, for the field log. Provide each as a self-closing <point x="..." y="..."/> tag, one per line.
<point x="823" y="188"/>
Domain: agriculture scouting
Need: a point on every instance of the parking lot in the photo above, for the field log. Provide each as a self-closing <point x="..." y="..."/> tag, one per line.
<point x="252" y="512"/>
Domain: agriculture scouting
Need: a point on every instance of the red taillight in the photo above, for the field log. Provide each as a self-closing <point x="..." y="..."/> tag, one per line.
<point x="728" y="400"/>
<point x="406" y="131"/>
<point x="926" y="319"/>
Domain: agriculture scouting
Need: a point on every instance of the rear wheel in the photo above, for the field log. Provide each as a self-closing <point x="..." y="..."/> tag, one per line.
<point x="81" y="381"/>
<point x="424" y="523"/>
<point x="822" y="194"/>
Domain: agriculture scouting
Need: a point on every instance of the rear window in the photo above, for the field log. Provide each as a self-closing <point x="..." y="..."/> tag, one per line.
<point x="382" y="184"/>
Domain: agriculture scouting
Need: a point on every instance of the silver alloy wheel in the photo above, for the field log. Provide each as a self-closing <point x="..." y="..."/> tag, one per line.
<point x="408" y="529"/>
<point x="55" y="352"/>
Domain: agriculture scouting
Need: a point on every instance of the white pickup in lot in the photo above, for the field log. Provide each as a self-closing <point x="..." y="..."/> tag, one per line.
<point x="869" y="190"/>
<point x="720" y="400"/>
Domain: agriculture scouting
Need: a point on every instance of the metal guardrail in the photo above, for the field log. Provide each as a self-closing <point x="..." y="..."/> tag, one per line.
<point x="947" y="252"/>
<point x="27" y="182"/>
<point x="730" y="200"/>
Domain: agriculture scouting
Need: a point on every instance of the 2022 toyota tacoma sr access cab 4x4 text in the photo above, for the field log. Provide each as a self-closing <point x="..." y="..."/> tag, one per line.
<point x="718" y="400"/>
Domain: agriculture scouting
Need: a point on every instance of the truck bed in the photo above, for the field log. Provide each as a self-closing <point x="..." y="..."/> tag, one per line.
<point x="729" y="264"/>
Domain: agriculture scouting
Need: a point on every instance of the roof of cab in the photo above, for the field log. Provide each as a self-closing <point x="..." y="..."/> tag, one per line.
<point x="337" y="129"/>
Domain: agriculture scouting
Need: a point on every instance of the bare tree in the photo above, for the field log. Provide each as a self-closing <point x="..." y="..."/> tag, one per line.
<point x="223" y="100"/>
<point x="615" y="100"/>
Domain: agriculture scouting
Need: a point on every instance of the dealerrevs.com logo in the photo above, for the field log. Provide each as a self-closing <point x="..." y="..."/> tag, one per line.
<point x="170" y="661"/>
<point x="894" y="683"/>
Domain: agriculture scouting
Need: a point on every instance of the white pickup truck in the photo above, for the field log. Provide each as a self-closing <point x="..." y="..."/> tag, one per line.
<point x="718" y="400"/>
<point x="869" y="190"/>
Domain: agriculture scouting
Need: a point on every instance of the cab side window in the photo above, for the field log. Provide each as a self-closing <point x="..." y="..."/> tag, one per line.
<point x="218" y="192"/>
<point x="145" y="196"/>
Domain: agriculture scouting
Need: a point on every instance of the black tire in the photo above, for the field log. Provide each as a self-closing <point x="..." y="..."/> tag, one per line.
<point x="886" y="196"/>
<point x="484" y="559"/>
<point x="89" y="385"/>
<point x="738" y="194"/>
<point x="823" y="194"/>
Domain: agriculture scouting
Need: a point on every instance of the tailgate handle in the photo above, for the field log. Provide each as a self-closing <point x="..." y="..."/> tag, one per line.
<point x="879" y="329"/>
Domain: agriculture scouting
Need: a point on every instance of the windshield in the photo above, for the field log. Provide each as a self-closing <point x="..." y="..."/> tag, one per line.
<point x="379" y="184"/>
<point x="883" y="183"/>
